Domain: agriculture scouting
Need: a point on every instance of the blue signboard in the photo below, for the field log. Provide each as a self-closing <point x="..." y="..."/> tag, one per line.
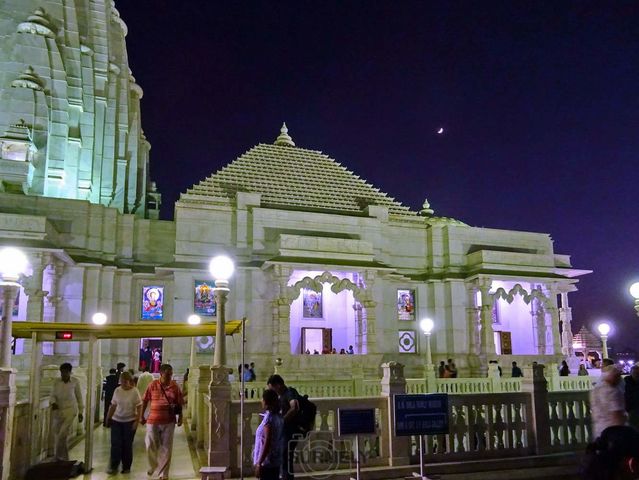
<point x="355" y="421"/>
<point x="421" y="414"/>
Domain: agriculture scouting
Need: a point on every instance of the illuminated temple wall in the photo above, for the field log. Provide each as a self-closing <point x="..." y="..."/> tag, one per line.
<point x="74" y="178"/>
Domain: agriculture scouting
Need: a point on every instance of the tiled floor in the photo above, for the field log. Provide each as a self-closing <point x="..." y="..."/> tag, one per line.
<point x="181" y="463"/>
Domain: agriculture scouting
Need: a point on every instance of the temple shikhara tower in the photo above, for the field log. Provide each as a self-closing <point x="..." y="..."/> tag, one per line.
<point x="324" y="260"/>
<point x="69" y="106"/>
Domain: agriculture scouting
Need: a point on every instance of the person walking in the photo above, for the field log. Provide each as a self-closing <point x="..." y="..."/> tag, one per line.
<point x="166" y="402"/>
<point x="269" y="439"/>
<point x="564" y="371"/>
<point x="123" y="417"/>
<point x="607" y="401"/>
<point x="144" y="380"/>
<point x="109" y="384"/>
<point x="289" y="407"/>
<point x="631" y="394"/>
<point x="66" y="403"/>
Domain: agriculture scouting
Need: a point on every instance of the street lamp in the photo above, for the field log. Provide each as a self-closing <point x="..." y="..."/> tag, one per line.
<point x="13" y="264"/>
<point x="427" y="326"/>
<point x="634" y="291"/>
<point x="604" y="330"/>
<point x="221" y="268"/>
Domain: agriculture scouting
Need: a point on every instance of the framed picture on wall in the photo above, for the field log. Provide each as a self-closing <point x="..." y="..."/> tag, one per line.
<point x="405" y="304"/>
<point x="203" y="299"/>
<point x="407" y="341"/>
<point x="312" y="303"/>
<point x="152" y="302"/>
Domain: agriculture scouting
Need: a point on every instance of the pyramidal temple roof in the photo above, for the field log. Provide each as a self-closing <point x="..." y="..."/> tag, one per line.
<point x="296" y="178"/>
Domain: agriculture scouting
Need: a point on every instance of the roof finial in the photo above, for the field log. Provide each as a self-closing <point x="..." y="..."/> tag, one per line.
<point x="284" y="138"/>
<point x="426" y="211"/>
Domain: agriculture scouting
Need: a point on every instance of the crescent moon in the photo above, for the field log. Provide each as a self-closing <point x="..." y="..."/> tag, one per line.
<point x="440" y="131"/>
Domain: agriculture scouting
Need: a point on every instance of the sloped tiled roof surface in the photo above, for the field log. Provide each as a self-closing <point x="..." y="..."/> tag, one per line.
<point x="296" y="178"/>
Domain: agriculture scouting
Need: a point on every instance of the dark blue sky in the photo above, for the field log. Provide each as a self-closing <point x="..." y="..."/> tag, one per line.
<point x="540" y="102"/>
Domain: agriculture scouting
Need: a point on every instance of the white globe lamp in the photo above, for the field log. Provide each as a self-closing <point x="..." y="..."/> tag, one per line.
<point x="634" y="290"/>
<point x="194" y="319"/>
<point x="222" y="268"/>
<point x="99" y="318"/>
<point x="604" y="329"/>
<point x="13" y="263"/>
<point x="426" y="325"/>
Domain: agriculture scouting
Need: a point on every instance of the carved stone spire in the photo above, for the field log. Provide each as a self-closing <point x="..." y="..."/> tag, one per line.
<point x="426" y="211"/>
<point x="284" y="138"/>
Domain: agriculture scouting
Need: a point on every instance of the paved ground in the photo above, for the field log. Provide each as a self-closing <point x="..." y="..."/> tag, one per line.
<point x="181" y="463"/>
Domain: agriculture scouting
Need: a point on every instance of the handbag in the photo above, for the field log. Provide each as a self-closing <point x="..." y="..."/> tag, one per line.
<point x="175" y="409"/>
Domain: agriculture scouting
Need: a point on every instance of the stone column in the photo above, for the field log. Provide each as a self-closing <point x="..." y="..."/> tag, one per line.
<point x="53" y="299"/>
<point x="487" y="340"/>
<point x="393" y="383"/>
<point x="554" y="328"/>
<point x="535" y="384"/>
<point x="539" y="316"/>
<point x="565" y="316"/>
<point x="281" y="308"/>
<point x="33" y="289"/>
<point x="371" y="319"/>
<point x="219" y="451"/>
<point x="359" y="325"/>
<point x="9" y="292"/>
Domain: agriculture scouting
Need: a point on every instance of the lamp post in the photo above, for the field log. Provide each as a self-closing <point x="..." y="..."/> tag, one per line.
<point x="13" y="264"/>
<point x="427" y="326"/>
<point x="634" y="291"/>
<point x="604" y="330"/>
<point x="221" y="268"/>
<point x="219" y="440"/>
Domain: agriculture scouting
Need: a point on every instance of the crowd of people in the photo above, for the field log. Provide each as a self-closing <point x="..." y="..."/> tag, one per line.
<point x="129" y="401"/>
<point x="332" y="351"/>
<point x="157" y="404"/>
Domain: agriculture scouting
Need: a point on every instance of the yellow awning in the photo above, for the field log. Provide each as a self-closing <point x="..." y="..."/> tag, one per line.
<point x="82" y="331"/>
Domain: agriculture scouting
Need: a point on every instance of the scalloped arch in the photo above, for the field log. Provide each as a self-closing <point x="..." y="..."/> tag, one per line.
<point x="518" y="289"/>
<point x="316" y="284"/>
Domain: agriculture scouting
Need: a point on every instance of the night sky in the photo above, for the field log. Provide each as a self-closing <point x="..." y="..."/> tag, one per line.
<point x="539" y="102"/>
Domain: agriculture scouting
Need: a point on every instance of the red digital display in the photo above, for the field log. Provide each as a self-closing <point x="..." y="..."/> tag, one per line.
<point x="64" y="335"/>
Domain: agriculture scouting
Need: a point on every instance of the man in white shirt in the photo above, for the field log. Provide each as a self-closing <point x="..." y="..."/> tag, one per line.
<point x="143" y="380"/>
<point x="66" y="402"/>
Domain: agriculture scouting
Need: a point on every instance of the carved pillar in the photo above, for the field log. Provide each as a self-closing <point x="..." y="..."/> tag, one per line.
<point x="281" y="308"/>
<point x="369" y="314"/>
<point x="487" y="340"/>
<point x="565" y="316"/>
<point x="33" y="289"/>
<point x="539" y="320"/>
<point x="219" y="451"/>
<point x="393" y="383"/>
<point x="53" y="299"/>
<point x="359" y="327"/>
<point x="554" y="329"/>
<point x="370" y="320"/>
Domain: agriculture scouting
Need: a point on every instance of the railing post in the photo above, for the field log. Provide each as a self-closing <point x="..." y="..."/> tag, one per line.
<point x="200" y="417"/>
<point x="7" y="409"/>
<point x="358" y="381"/>
<point x="431" y="379"/>
<point x="553" y="377"/>
<point x="393" y="383"/>
<point x="219" y="446"/>
<point x="193" y="396"/>
<point x="535" y="383"/>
